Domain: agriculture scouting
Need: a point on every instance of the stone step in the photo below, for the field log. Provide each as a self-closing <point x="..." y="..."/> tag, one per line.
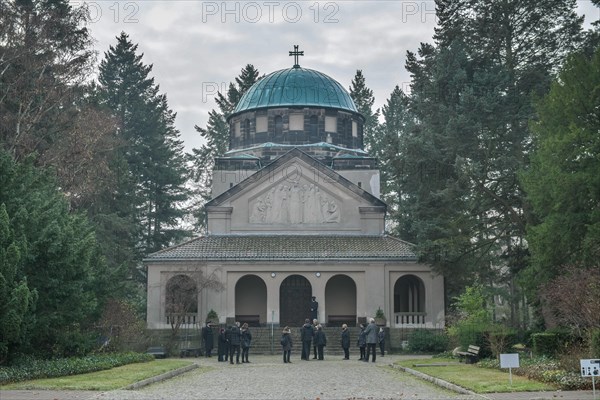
<point x="267" y="341"/>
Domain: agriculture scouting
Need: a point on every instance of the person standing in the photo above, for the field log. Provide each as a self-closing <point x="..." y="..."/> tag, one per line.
<point x="234" y="342"/>
<point x="320" y="341"/>
<point x="223" y="346"/>
<point x="346" y="341"/>
<point x="314" y="309"/>
<point x="315" y="323"/>
<point x="246" y="342"/>
<point x="371" y="335"/>
<point x="381" y="341"/>
<point x="286" y="344"/>
<point x="362" y="342"/>
<point x="207" y="336"/>
<point x="306" y="335"/>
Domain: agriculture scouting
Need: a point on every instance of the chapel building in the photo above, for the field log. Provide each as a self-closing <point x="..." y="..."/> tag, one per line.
<point x="295" y="213"/>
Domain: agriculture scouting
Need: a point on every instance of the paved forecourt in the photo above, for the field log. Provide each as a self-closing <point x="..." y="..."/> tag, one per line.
<point x="267" y="377"/>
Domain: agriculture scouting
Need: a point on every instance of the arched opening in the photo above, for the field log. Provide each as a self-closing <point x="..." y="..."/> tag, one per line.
<point x="294" y="300"/>
<point x="181" y="302"/>
<point x="340" y="300"/>
<point x="409" y="300"/>
<point x="251" y="300"/>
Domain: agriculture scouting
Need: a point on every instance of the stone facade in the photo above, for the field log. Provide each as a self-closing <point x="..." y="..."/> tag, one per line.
<point x="294" y="214"/>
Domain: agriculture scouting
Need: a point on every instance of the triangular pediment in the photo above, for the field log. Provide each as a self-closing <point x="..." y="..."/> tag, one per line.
<point x="294" y="193"/>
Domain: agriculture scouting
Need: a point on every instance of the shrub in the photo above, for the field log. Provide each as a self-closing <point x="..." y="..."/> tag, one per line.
<point x="544" y="369"/>
<point x="595" y="343"/>
<point x="212" y="316"/>
<point x="501" y="340"/>
<point x="28" y="368"/>
<point x="548" y="343"/>
<point x="467" y="334"/>
<point x="427" y="341"/>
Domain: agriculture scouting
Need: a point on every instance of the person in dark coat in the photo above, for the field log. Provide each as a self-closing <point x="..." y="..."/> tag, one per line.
<point x="320" y="340"/>
<point x="315" y="323"/>
<point x="235" y="337"/>
<point x="346" y="341"/>
<point x="314" y="308"/>
<point x="381" y="341"/>
<point x="246" y="342"/>
<point x="286" y="344"/>
<point x="207" y="336"/>
<point x="362" y="342"/>
<point x="223" y="346"/>
<point x="371" y="334"/>
<point x="306" y="335"/>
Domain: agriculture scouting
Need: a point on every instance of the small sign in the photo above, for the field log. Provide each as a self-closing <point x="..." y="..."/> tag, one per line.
<point x="509" y="360"/>
<point x="590" y="368"/>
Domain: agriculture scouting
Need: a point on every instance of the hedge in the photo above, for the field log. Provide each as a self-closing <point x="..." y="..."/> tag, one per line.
<point x="28" y="368"/>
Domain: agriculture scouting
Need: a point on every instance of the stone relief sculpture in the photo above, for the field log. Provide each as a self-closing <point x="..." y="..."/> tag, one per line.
<point x="293" y="203"/>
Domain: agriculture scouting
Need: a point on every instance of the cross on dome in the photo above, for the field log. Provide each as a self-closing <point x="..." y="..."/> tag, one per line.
<point x="296" y="53"/>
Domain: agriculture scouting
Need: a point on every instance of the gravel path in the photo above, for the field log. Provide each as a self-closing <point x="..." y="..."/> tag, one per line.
<point x="266" y="377"/>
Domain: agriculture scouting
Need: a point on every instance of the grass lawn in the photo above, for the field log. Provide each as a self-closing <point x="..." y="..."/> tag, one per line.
<point x="111" y="379"/>
<point x="479" y="380"/>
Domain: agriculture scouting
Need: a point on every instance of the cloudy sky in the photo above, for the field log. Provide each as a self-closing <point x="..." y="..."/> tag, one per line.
<point x="198" y="47"/>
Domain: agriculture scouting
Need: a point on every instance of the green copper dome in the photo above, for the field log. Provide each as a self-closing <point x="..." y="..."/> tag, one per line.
<point x="296" y="87"/>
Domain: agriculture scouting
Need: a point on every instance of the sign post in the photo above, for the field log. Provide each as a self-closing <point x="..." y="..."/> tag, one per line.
<point x="590" y="368"/>
<point x="509" y="361"/>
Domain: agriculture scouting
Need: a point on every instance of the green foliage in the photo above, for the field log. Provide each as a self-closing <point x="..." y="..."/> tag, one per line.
<point x="17" y="300"/>
<point x="379" y="313"/>
<point x="545" y="369"/>
<point x="548" y="343"/>
<point x="565" y="162"/>
<point x="58" y="264"/>
<point x="155" y="174"/>
<point x="474" y="322"/>
<point x="595" y="343"/>
<point x="470" y="105"/>
<point x="472" y="306"/>
<point x="363" y="99"/>
<point x="427" y="341"/>
<point x="28" y="368"/>
<point x="212" y="316"/>
<point x="216" y="135"/>
<point x="501" y="340"/>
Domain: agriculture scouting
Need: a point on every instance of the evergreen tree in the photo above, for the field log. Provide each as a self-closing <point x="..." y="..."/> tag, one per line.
<point x="150" y="163"/>
<point x="363" y="99"/>
<point x="471" y="100"/>
<point x="51" y="252"/>
<point x="17" y="300"/>
<point x="396" y="121"/>
<point x="216" y="135"/>
<point x="562" y="182"/>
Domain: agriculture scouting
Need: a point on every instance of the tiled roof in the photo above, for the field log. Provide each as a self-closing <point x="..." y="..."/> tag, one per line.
<point x="289" y="247"/>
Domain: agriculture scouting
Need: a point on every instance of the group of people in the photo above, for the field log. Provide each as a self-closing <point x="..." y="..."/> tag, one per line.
<point x="312" y="333"/>
<point x="368" y="338"/>
<point x="235" y="338"/>
<point x="230" y="342"/>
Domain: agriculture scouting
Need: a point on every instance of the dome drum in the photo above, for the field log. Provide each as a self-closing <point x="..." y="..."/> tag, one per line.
<point x="296" y="126"/>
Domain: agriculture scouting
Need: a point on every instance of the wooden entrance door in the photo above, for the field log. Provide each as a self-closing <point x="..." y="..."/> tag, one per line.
<point x="294" y="300"/>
